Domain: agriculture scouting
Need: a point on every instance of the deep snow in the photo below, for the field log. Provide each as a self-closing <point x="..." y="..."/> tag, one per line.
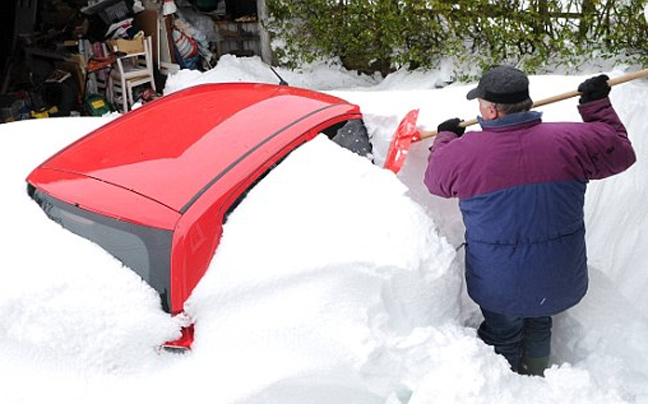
<point x="335" y="281"/>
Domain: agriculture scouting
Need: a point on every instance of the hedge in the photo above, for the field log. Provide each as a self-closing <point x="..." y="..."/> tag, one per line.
<point x="386" y="35"/>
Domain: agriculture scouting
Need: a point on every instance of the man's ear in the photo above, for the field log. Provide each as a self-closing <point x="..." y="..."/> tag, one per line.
<point x="495" y="112"/>
<point x="491" y="112"/>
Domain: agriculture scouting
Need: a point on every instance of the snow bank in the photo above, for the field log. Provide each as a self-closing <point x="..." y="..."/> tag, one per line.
<point x="252" y="69"/>
<point x="356" y="259"/>
<point x="335" y="281"/>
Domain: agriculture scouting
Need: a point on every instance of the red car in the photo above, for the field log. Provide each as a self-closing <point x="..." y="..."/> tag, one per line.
<point x="154" y="186"/>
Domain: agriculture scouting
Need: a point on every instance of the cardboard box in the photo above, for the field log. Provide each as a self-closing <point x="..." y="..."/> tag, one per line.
<point x="127" y="45"/>
<point x="148" y="21"/>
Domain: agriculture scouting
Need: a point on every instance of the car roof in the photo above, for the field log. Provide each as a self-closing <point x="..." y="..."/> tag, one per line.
<point x="173" y="148"/>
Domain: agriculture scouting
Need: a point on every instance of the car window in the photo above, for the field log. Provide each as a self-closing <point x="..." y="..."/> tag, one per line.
<point x="146" y="250"/>
<point x="351" y="135"/>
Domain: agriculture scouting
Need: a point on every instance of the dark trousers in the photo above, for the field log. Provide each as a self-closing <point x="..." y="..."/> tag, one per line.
<point x="516" y="337"/>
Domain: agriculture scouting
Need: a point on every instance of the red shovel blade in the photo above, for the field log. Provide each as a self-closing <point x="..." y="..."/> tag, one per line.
<point x="400" y="144"/>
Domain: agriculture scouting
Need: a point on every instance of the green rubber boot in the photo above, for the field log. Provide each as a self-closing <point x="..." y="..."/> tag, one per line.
<point x="534" y="366"/>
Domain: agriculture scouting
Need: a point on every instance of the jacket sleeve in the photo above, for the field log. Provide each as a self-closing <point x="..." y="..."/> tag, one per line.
<point x="608" y="149"/>
<point x="440" y="176"/>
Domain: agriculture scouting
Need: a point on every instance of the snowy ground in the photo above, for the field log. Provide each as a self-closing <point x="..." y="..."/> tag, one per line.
<point x="335" y="281"/>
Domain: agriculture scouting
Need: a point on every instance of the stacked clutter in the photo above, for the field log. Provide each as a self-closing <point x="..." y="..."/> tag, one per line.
<point x="74" y="36"/>
<point x="117" y="33"/>
<point x="186" y="48"/>
<point x="52" y="97"/>
<point x="110" y="19"/>
<point x="190" y="43"/>
<point x="16" y="110"/>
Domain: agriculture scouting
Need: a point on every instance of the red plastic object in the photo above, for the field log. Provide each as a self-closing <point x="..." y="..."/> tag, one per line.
<point x="183" y="343"/>
<point x="405" y="134"/>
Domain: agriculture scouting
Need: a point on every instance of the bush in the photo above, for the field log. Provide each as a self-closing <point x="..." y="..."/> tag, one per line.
<point x="386" y="35"/>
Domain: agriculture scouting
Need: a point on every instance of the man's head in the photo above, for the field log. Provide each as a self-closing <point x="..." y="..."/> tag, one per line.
<point x="501" y="91"/>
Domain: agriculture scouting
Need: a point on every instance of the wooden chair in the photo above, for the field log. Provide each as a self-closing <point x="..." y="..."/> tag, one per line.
<point x="133" y="67"/>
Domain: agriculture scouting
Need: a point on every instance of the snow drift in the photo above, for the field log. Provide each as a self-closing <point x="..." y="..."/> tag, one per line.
<point x="335" y="281"/>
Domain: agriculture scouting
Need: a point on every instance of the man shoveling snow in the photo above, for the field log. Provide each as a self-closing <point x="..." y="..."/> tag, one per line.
<point x="521" y="187"/>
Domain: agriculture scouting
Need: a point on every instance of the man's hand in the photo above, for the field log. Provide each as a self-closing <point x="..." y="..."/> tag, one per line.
<point x="594" y="88"/>
<point x="451" y="125"/>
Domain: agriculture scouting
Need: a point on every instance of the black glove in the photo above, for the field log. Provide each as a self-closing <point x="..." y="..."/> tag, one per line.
<point x="451" y="125"/>
<point x="594" y="88"/>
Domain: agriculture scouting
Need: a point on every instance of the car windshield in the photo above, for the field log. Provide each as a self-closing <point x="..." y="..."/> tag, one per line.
<point x="145" y="250"/>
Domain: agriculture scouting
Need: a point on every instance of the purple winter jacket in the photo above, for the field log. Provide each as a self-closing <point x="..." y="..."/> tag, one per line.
<point x="521" y="187"/>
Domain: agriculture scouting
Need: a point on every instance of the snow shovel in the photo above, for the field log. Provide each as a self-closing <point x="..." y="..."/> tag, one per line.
<point x="406" y="133"/>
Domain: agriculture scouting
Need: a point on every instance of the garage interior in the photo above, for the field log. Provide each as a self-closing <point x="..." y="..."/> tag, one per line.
<point x="90" y="57"/>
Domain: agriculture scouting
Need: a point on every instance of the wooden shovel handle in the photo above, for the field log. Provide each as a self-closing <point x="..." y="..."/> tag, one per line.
<point x="550" y="100"/>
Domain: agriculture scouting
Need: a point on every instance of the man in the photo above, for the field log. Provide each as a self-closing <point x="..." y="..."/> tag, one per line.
<point x="521" y="188"/>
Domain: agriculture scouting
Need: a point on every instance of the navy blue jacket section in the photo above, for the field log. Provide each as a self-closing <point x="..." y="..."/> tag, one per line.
<point x="530" y="261"/>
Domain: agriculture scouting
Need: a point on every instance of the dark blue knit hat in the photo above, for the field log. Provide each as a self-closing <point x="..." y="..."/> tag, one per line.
<point x="502" y="85"/>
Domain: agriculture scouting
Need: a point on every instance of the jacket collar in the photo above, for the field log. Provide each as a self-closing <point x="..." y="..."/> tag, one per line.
<point x="511" y="120"/>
